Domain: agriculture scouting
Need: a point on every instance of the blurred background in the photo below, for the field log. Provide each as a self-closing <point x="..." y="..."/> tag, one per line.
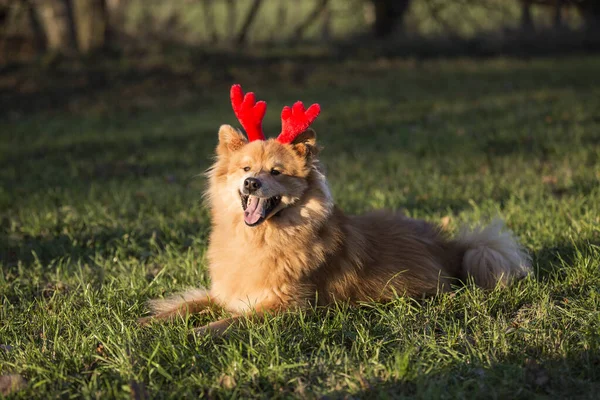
<point x="70" y="46"/>
<point x="76" y="45"/>
<point x="51" y="51"/>
<point x="30" y="28"/>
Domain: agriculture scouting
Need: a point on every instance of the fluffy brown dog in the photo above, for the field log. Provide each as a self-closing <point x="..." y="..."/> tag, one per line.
<point x="287" y="244"/>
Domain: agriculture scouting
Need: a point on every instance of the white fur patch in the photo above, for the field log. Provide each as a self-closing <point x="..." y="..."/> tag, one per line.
<point x="493" y="256"/>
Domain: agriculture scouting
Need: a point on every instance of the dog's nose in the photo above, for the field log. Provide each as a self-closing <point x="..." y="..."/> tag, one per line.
<point x="251" y="184"/>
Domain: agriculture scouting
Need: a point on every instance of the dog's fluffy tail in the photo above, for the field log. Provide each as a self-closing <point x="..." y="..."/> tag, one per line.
<point x="180" y="304"/>
<point x="493" y="256"/>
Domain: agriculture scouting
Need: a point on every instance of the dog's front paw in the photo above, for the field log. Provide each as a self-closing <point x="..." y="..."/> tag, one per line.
<point x="216" y="328"/>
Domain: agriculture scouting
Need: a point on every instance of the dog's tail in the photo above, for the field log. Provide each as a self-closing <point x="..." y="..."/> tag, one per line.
<point x="180" y="304"/>
<point x="493" y="256"/>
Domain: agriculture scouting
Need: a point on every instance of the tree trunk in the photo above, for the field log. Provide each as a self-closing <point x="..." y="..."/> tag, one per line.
<point x="4" y="10"/>
<point x="526" y="19"/>
<point x="116" y="11"/>
<point x="280" y="21"/>
<point x="39" y="36"/>
<point x="250" y="17"/>
<point x="91" y="21"/>
<point x="209" y="21"/>
<point x="231" y="17"/>
<point x="326" y="26"/>
<point x="313" y="16"/>
<point x="58" y="23"/>
<point x="590" y="11"/>
<point x="388" y="16"/>
<point x="558" y="6"/>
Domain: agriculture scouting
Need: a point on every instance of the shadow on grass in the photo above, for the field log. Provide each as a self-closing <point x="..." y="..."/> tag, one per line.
<point x="97" y="159"/>
<point x="554" y="260"/>
<point x="84" y="248"/>
<point x="521" y="375"/>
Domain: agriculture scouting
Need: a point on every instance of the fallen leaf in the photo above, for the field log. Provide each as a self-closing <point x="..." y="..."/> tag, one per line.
<point x="138" y="390"/>
<point x="445" y="222"/>
<point x="6" y="347"/>
<point x="170" y="178"/>
<point x="536" y="373"/>
<point x="11" y="383"/>
<point x="227" y="381"/>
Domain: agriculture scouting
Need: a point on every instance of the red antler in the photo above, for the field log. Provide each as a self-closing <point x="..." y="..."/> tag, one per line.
<point x="295" y="120"/>
<point x="249" y="112"/>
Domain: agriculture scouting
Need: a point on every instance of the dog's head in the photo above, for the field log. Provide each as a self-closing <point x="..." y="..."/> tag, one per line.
<point x="262" y="177"/>
<point x="265" y="176"/>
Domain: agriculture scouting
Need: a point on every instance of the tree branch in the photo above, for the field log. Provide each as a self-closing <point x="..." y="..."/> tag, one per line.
<point x="250" y="17"/>
<point x="310" y="19"/>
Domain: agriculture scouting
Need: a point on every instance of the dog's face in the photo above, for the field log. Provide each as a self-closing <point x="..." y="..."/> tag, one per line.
<point x="263" y="178"/>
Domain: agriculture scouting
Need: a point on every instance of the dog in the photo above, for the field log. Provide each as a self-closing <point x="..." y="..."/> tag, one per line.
<point x="279" y="242"/>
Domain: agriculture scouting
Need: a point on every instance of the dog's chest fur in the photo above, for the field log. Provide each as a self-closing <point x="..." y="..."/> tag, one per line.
<point x="250" y="268"/>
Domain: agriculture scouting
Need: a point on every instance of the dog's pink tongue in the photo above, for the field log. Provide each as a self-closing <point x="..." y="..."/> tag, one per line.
<point x="254" y="210"/>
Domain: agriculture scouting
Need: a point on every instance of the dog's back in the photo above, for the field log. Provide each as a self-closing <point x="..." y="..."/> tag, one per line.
<point x="385" y="255"/>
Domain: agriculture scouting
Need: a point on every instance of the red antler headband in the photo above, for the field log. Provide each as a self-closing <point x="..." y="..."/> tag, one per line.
<point x="248" y="112"/>
<point x="294" y="120"/>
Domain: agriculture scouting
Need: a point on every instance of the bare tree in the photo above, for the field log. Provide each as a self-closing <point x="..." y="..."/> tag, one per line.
<point x="70" y="26"/>
<point x="91" y="22"/>
<point x="280" y="20"/>
<point x="116" y="15"/>
<point x="436" y="9"/>
<point x="248" y="21"/>
<point x="526" y="18"/>
<point x="590" y="10"/>
<point x="209" y="20"/>
<point x="310" y="19"/>
<point x="4" y="12"/>
<point x="59" y="26"/>
<point x="558" y="7"/>
<point x="388" y="16"/>
<point x="326" y="25"/>
<point x="39" y="36"/>
<point x="231" y="16"/>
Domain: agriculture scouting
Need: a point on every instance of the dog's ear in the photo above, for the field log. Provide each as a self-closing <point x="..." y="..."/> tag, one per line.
<point x="230" y="139"/>
<point x="305" y="144"/>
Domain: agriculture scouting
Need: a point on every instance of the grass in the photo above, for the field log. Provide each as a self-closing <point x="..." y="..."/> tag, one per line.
<point x="101" y="209"/>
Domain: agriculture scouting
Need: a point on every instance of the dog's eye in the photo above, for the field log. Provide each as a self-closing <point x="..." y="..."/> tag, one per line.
<point x="246" y="169"/>
<point x="275" y="172"/>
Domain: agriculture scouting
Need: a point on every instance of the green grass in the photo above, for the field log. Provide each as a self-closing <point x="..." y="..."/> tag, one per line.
<point x="101" y="210"/>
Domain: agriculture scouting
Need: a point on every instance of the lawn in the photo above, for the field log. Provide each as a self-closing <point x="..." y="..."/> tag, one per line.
<point x="101" y="209"/>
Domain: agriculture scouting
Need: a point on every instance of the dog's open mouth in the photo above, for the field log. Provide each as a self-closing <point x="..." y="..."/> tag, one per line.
<point x="257" y="209"/>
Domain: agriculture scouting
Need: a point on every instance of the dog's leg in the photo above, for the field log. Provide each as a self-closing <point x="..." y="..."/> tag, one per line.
<point x="189" y="302"/>
<point x="217" y="328"/>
